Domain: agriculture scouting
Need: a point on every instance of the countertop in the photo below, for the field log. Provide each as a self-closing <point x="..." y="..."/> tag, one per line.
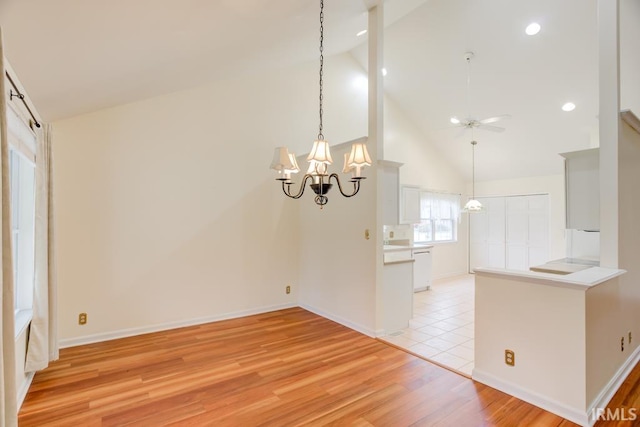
<point x="583" y="279"/>
<point x="398" y="248"/>
<point x="566" y="265"/>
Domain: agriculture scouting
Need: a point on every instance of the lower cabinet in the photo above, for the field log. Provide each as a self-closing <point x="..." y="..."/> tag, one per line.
<point x="511" y="232"/>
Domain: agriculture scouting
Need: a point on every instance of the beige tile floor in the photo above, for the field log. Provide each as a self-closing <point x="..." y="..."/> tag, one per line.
<point x="442" y="326"/>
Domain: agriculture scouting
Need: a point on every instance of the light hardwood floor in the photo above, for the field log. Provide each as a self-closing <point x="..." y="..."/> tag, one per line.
<point x="289" y="367"/>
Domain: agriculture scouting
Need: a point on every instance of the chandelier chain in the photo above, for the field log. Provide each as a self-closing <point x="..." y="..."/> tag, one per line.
<point x="320" y="135"/>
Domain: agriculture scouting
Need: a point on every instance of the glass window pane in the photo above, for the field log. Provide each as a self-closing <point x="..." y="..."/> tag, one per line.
<point x="423" y="232"/>
<point x="444" y="230"/>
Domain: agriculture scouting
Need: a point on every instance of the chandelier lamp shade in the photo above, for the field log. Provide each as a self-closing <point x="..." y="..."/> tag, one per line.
<point x="319" y="157"/>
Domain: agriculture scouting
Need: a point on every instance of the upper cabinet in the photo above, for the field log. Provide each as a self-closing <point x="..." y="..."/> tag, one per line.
<point x="410" y="205"/>
<point x="582" y="181"/>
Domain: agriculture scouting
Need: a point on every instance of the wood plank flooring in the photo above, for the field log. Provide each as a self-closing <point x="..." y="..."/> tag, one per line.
<point x="285" y="368"/>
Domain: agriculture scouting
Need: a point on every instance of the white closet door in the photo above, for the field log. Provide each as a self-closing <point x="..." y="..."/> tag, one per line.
<point x="511" y="232"/>
<point x="538" y="230"/>
<point x="497" y="232"/>
<point x="527" y="231"/>
<point x="517" y="232"/>
<point x="478" y="235"/>
<point x="487" y="234"/>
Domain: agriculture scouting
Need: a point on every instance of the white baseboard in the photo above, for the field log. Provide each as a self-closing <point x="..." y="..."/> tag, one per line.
<point x="572" y="414"/>
<point x="607" y="393"/>
<point x="24" y="389"/>
<point x="123" y="333"/>
<point x="349" y="324"/>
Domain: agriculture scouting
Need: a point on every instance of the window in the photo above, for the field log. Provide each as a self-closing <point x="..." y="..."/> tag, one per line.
<point x="439" y="215"/>
<point x="22" y="143"/>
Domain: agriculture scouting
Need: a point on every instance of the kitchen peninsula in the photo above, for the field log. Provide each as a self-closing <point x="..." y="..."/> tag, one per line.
<point x="558" y="327"/>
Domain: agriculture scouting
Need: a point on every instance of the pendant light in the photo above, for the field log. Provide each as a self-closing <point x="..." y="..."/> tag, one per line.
<point x="473" y="205"/>
<point x="319" y="157"/>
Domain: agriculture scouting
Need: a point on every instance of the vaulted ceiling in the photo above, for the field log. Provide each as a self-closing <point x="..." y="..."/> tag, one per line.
<point x="76" y="56"/>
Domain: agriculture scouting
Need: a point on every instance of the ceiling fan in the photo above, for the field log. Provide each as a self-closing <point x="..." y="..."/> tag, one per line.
<point x="470" y="122"/>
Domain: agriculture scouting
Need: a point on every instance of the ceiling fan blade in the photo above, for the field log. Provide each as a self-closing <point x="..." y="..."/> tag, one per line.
<point x="494" y="119"/>
<point x="491" y="128"/>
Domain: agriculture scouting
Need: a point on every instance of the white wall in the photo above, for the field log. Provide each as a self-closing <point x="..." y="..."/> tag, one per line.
<point x="337" y="262"/>
<point x="614" y="311"/>
<point x="167" y="212"/>
<point x="552" y="185"/>
<point x="622" y="303"/>
<point x="424" y="166"/>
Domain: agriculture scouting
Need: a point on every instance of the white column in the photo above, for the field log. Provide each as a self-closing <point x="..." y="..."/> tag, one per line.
<point x="609" y="72"/>
<point x="376" y="138"/>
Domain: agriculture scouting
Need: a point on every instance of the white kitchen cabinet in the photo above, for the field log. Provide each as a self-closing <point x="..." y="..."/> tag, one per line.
<point x="397" y="295"/>
<point x="422" y="266"/>
<point x="582" y="181"/>
<point x="410" y="205"/>
<point x="390" y="175"/>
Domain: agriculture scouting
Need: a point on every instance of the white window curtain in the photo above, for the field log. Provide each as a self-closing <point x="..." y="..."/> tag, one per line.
<point x="43" y="339"/>
<point x="8" y="398"/>
<point x="434" y="206"/>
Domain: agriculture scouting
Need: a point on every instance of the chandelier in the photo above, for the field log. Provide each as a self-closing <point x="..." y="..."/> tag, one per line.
<point x="319" y="157"/>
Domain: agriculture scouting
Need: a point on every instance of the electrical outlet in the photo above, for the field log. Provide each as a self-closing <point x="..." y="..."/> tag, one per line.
<point x="622" y="344"/>
<point x="82" y="319"/>
<point x="288" y="289"/>
<point x="510" y="357"/>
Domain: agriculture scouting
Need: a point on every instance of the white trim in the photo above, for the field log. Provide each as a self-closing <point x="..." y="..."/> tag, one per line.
<point x="22" y="320"/>
<point x="572" y="414"/>
<point x="607" y="393"/>
<point x="123" y="333"/>
<point x="24" y="388"/>
<point x="349" y="324"/>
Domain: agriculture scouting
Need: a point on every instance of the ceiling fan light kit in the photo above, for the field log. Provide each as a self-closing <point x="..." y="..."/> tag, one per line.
<point x="474" y="205"/>
<point x="470" y="122"/>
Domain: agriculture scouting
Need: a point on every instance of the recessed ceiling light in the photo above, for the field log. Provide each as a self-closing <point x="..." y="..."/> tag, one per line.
<point x="454" y="120"/>
<point x="384" y="71"/>
<point x="532" y="29"/>
<point x="569" y="106"/>
<point x="361" y="33"/>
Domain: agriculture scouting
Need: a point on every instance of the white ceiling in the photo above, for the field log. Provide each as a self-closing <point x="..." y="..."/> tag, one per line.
<point x="527" y="77"/>
<point x="77" y="56"/>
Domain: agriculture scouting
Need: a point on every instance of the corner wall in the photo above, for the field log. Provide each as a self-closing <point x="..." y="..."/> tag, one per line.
<point x="167" y="212"/>
<point x="614" y="312"/>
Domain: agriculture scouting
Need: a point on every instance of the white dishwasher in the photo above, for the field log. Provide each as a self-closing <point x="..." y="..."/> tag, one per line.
<point x="422" y="269"/>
